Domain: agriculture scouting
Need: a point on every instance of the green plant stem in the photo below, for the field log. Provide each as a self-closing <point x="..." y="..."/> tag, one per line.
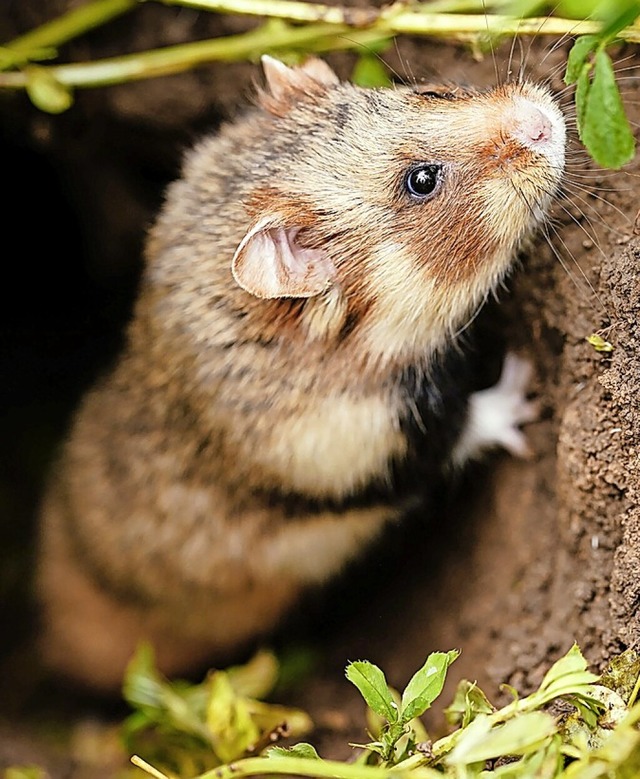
<point x="444" y="745"/>
<point x="316" y="37"/>
<point x="64" y="28"/>
<point x="175" y="59"/>
<point x="634" y="693"/>
<point x="326" y="28"/>
<point x="402" y="18"/>
<point x="323" y="769"/>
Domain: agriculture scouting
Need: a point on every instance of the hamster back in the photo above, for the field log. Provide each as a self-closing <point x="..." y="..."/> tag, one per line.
<point x="291" y="381"/>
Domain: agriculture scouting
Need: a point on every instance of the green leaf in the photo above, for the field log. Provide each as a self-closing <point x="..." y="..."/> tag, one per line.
<point x="299" y="750"/>
<point x="256" y="678"/>
<point x="269" y="716"/>
<point x="599" y="343"/>
<point x="370" y="71"/>
<point x="583" y="86"/>
<point x="577" y="56"/>
<point x="524" y="8"/>
<point x="373" y="746"/>
<point x="518" y="736"/>
<point x="577" y="9"/>
<point x="544" y="763"/>
<point x="567" y="675"/>
<point x="160" y="701"/>
<point x="617" y="16"/>
<point x="24" y="772"/>
<point x="426" y="684"/>
<point x="371" y="682"/>
<point x="46" y="92"/>
<point x="228" y="719"/>
<point x="187" y="729"/>
<point x="468" y="702"/>
<point x="604" y="128"/>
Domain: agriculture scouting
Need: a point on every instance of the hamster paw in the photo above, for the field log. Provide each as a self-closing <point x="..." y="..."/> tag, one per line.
<point x="496" y="413"/>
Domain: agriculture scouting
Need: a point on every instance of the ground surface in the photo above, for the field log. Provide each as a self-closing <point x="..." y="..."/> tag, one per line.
<point x="535" y="554"/>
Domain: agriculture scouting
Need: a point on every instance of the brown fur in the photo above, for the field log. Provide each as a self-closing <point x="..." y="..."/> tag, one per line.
<point x="158" y="523"/>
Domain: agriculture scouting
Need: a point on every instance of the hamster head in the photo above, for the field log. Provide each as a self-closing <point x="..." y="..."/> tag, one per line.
<point x="384" y="217"/>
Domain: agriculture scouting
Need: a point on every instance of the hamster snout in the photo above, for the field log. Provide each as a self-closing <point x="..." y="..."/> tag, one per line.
<point x="533" y="127"/>
<point x="538" y="125"/>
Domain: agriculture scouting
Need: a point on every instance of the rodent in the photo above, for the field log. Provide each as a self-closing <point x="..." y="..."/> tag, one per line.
<point x="292" y="376"/>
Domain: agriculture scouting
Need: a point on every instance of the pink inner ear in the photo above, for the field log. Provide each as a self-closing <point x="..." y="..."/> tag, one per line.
<point x="270" y="263"/>
<point x="319" y="71"/>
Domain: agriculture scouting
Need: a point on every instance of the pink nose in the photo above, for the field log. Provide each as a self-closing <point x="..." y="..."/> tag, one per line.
<point x="529" y="124"/>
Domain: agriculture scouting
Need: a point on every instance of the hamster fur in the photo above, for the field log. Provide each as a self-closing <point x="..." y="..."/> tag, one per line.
<point x="291" y="379"/>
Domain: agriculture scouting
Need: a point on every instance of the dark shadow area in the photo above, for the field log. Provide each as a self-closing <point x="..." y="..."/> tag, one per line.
<point x="60" y="325"/>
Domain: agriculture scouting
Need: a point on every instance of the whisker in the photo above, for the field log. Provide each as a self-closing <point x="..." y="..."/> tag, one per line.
<point x="491" y="46"/>
<point x="409" y="76"/>
<point x="602" y="200"/>
<point x="471" y="319"/>
<point x="590" y="291"/>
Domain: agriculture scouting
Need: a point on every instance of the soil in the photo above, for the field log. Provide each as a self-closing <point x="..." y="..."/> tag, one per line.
<point x="522" y="559"/>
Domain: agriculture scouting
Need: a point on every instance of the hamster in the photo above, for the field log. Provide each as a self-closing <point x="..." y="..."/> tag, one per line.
<point x="292" y="380"/>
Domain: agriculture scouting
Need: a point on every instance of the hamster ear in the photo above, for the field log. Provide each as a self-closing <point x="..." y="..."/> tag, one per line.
<point x="283" y="82"/>
<point x="270" y="263"/>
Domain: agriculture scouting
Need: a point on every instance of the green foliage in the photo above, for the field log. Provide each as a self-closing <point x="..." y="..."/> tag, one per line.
<point x="426" y="685"/>
<point x="306" y="751"/>
<point x="46" y="92"/>
<point x="185" y="729"/>
<point x="602" y="123"/>
<point x="599" y="343"/>
<point x="396" y="736"/>
<point x="371" y="682"/>
<point x="519" y="736"/>
<point x="206" y="731"/>
<point x="469" y="701"/>
<point x="370" y="71"/>
<point x="293" y="30"/>
<point x="522" y="740"/>
<point x="25" y="772"/>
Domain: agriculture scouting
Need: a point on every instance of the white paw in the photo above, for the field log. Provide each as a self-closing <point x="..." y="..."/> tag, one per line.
<point x="495" y="414"/>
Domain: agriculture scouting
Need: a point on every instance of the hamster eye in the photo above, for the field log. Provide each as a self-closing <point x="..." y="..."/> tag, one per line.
<point x="422" y="180"/>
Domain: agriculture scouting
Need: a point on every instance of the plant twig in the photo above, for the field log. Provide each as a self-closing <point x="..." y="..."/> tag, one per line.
<point x="400" y="17"/>
<point x="64" y="28"/>
<point x="325" y="28"/>
<point x="322" y="769"/>
<point x="175" y="59"/>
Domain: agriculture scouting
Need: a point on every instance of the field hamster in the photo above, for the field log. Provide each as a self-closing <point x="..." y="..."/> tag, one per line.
<point x="292" y="379"/>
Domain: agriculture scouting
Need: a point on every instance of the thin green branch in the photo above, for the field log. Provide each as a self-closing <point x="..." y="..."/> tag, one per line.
<point x="448" y="25"/>
<point x="318" y="27"/>
<point x="401" y="17"/>
<point x="292" y="10"/>
<point x="270" y="37"/>
<point x="63" y="29"/>
<point x="294" y="766"/>
<point x="322" y="769"/>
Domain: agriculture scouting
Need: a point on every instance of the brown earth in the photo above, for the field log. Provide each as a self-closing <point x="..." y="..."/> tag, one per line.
<point x="529" y="557"/>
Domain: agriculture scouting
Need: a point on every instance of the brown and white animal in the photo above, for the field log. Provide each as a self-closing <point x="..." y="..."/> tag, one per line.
<point x="292" y="378"/>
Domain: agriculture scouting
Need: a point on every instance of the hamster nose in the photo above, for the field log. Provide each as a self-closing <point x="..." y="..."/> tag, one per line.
<point x="529" y="125"/>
